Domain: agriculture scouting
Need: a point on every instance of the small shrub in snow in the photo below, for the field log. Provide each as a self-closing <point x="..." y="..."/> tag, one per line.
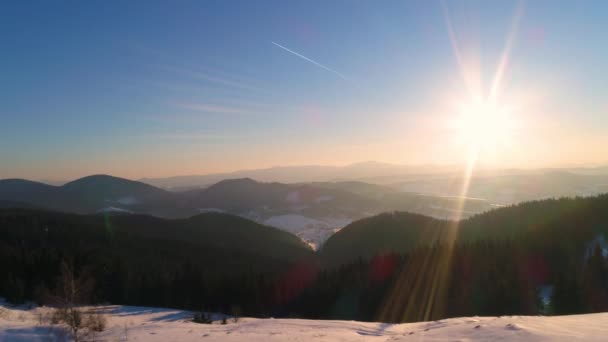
<point x="55" y="317"/>
<point x="4" y="313"/>
<point x="124" y="335"/>
<point x="96" y="322"/>
<point x="42" y="318"/>
<point x="236" y="313"/>
<point x="202" y="318"/>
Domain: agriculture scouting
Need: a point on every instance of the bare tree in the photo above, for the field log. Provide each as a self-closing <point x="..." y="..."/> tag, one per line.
<point x="71" y="293"/>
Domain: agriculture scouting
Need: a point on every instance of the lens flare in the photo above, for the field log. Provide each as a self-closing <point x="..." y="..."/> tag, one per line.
<point x="482" y="123"/>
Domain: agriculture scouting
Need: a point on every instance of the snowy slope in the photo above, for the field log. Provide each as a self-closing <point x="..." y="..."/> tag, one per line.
<point x="153" y="324"/>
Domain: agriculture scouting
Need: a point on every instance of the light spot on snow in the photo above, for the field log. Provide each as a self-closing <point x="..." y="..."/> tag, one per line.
<point x="127" y="200"/>
<point x="314" y="231"/>
<point x="323" y="198"/>
<point x="114" y="210"/>
<point x="600" y="240"/>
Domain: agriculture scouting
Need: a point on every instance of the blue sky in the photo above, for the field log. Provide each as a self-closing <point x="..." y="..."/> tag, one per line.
<point x="145" y="88"/>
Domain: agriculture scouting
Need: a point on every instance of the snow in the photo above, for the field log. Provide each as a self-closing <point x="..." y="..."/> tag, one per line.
<point x="293" y="223"/>
<point x="600" y="241"/>
<point x="114" y="210"/>
<point x="312" y="231"/>
<point x="126" y="200"/>
<point x="127" y="323"/>
<point x="546" y="292"/>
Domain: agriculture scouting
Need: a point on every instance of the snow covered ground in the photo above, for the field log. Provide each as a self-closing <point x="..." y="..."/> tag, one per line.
<point x="312" y="231"/>
<point x="153" y="324"/>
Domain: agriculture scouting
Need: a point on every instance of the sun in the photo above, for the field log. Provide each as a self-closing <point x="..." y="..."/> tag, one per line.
<point x="484" y="125"/>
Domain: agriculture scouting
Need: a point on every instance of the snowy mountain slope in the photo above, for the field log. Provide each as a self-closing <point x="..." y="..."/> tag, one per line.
<point x="127" y="323"/>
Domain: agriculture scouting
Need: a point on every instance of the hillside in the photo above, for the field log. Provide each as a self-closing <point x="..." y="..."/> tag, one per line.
<point x="29" y="192"/>
<point x="568" y="221"/>
<point x="384" y="233"/>
<point x="130" y="256"/>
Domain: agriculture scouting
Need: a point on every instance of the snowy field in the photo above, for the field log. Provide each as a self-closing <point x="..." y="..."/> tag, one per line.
<point x="152" y="324"/>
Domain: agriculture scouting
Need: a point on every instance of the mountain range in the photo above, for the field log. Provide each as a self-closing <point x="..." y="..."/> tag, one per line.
<point x="312" y="211"/>
<point x="367" y="172"/>
<point x="364" y="171"/>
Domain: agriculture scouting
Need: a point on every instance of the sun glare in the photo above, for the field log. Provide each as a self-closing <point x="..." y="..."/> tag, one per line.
<point x="484" y="125"/>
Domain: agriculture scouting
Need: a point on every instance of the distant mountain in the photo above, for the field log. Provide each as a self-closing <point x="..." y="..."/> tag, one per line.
<point x="239" y="195"/>
<point x="92" y="194"/>
<point x="366" y="172"/>
<point x="113" y="188"/>
<point x="38" y="195"/>
<point x="24" y="190"/>
<point x="497" y="186"/>
<point x="301" y="174"/>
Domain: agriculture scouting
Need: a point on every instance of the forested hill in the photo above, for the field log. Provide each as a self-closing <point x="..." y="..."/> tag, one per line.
<point x="569" y="222"/>
<point x="138" y="259"/>
<point x="539" y="257"/>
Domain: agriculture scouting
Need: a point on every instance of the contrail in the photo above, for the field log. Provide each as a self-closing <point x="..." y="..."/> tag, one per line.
<point x="311" y="61"/>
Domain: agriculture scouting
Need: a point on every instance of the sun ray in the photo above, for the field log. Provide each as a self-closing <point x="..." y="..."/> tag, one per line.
<point x="483" y="120"/>
<point x="506" y="54"/>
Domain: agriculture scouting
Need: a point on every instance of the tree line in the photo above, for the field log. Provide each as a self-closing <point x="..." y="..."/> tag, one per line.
<point x="563" y="270"/>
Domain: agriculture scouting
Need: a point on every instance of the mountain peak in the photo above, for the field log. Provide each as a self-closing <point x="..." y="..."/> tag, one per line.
<point x="235" y="182"/>
<point x="110" y="186"/>
<point x="98" y="178"/>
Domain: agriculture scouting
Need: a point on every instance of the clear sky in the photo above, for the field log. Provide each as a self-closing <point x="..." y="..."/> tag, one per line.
<point x="148" y="88"/>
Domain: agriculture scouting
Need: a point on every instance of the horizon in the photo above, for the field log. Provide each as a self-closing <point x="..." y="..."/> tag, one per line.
<point x="453" y="168"/>
<point x="155" y="90"/>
